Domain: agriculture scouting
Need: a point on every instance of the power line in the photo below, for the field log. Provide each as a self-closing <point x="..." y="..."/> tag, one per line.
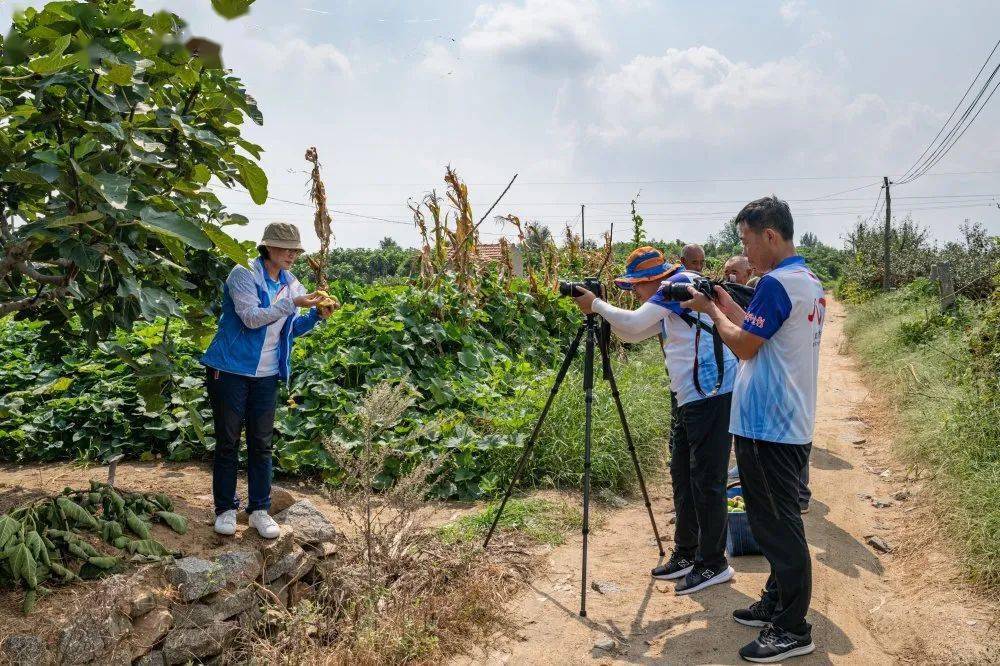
<point x="926" y="162"/>
<point x="653" y="181"/>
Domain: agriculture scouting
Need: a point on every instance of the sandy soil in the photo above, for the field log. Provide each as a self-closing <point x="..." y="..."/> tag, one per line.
<point x="908" y="606"/>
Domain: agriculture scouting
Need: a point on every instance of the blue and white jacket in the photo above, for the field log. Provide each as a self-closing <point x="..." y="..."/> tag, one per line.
<point x="246" y="313"/>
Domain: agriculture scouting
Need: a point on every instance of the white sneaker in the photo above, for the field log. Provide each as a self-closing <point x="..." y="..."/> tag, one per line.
<point x="265" y="524"/>
<point x="225" y="523"/>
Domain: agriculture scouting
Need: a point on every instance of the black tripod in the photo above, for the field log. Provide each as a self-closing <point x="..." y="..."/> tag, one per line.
<point x="597" y="336"/>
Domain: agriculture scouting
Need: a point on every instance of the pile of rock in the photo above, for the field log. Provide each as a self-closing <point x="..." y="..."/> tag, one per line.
<point x="193" y="608"/>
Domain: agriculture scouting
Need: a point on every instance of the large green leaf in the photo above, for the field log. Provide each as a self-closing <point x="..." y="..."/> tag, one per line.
<point x="253" y="178"/>
<point x="231" y="9"/>
<point x="113" y="187"/>
<point x="120" y="74"/>
<point x="177" y="522"/>
<point x="23" y="566"/>
<point x="175" y="226"/>
<point x="227" y="245"/>
<point x="73" y="220"/>
<point x="9" y="527"/>
<point x="54" y="60"/>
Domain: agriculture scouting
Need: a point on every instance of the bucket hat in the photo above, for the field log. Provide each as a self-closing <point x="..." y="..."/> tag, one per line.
<point x="282" y="235"/>
<point x="645" y="264"/>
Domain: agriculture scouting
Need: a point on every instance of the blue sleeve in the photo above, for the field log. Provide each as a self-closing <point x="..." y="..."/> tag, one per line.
<point x="768" y="309"/>
<point x="673" y="306"/>
<point x="305" y="323"/>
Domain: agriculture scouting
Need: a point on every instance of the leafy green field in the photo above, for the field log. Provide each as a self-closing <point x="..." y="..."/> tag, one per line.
<point x="481" y="366"/>
<point x="941" y="371"/>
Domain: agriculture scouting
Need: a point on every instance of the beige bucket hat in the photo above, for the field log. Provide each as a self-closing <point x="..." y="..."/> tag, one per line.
<point x="282" y="235"/>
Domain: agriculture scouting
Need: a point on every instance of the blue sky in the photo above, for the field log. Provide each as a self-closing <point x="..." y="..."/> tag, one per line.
<point x="594" y="102"/>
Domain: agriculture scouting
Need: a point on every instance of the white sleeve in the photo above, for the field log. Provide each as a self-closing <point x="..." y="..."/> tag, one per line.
<point x="243" y="291"/>
<point x="632" y="325"/>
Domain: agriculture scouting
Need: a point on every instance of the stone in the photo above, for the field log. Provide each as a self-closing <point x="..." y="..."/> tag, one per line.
<point x="89" y="637"/>
<point x="881" y="502"/>
<point x="302" y="569"/>
<point x="80" y="643"/>
<point x="194" y="616"/>
<point x="284" y="565"/>
<point x="196" y="578"/>
<point x="901" y="495"/>
<point x="154" y="658"/>
<point x="142" y="602"/>
<point x="281" y="499"/>
<point x="24" y="650"/>
<point x="239" y="565"/>
<point x="149" y="630"/>
<point x="604" y="587"/>
<point x="323" y="550"/>
<point x="879" y="544"/>
<point x="309" y="524"/>
<point x="231" y="604"/>
<point x="197" y="644"/>
<point x="605" y="644"/>
<point x="671" y="519"/>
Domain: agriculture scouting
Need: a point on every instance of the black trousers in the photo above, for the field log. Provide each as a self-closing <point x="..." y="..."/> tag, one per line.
<point x="699" y="461"/>
<point x="769" y="474"/>
<point x="242" y="402"/>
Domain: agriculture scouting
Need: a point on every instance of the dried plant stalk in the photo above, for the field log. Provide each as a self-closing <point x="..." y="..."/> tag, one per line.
<point x="464" y="238"/>
<point x="321" y="220"/>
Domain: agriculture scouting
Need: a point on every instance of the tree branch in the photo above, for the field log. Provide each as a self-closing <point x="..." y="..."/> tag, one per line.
<point x="27" y="269"/>
<point x="31" y="301"/>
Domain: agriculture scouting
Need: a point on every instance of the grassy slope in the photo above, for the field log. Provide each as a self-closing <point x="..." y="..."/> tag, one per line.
<point x="952" y="420"/>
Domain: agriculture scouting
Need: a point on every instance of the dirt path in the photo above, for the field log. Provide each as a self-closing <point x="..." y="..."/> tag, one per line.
<point x="867" y="608"/>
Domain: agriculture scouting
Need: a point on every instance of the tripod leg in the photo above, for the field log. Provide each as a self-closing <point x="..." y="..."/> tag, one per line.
<point x="588" y="392"/>
<point x="519" y="468"/>
<point x="609" y="376"/>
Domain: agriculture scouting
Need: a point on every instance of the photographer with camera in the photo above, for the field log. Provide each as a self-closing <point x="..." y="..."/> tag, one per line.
<point x="777" y="341"/>
<point x="701" y="380"/>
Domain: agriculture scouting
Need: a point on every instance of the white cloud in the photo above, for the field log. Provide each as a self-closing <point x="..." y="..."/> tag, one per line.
<point x="546" y="34"/>
<point x="295" y="53"/>
<point x="439" y="59"/>
<point x="791" y="10"/>
<point x="696" y="105"/>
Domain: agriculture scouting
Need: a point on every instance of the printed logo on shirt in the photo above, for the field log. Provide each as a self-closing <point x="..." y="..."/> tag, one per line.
<point x="818" y="310"/>
<point x="757" y="321"/>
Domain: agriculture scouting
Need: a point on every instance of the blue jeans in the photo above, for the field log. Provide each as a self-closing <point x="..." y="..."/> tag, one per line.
<point x="239" y="401"/>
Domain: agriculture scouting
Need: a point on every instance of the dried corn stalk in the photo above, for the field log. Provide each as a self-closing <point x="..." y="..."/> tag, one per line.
<point x="506" y="263"/>
<point x="321" y="220"/>
<point x="463" y="239"/>
<point x="439" y="253"/>
<point x="426" y="267"/>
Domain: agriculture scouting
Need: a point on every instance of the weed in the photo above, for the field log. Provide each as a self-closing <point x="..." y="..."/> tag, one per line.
<point x="541" y="520"/>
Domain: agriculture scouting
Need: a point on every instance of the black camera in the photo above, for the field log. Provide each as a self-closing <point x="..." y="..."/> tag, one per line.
<point x="591" y="284"/>
<point x="678" y="291"/>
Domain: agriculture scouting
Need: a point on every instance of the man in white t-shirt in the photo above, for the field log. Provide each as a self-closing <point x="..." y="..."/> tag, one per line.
<point x="701" y="384"/>
<point x="774" y="406"/>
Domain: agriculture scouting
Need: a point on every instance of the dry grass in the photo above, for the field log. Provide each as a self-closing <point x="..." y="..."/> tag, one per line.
<point x="395" y="592"/>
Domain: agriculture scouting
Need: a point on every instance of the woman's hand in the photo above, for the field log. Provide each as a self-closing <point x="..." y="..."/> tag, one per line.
<point x="327" y="307"/>
<point x="307" y="300"/>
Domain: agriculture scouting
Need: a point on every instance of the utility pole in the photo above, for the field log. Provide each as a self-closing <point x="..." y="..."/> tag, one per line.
<point x="583" y="234"/>
<point x="888" y="217"/>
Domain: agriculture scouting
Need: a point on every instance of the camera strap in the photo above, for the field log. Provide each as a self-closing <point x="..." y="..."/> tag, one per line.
<point x="720" y="362"/>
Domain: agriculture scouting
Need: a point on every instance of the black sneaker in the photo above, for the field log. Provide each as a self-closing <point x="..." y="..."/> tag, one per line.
<point x="775" y="644"/>
<point x="758" y="615"/>
<point x="702" y="577"/>
<point x="675" y="567"/>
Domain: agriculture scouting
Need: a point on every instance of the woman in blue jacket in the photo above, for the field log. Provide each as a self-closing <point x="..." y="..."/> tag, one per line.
<point x="251" y="350"/>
